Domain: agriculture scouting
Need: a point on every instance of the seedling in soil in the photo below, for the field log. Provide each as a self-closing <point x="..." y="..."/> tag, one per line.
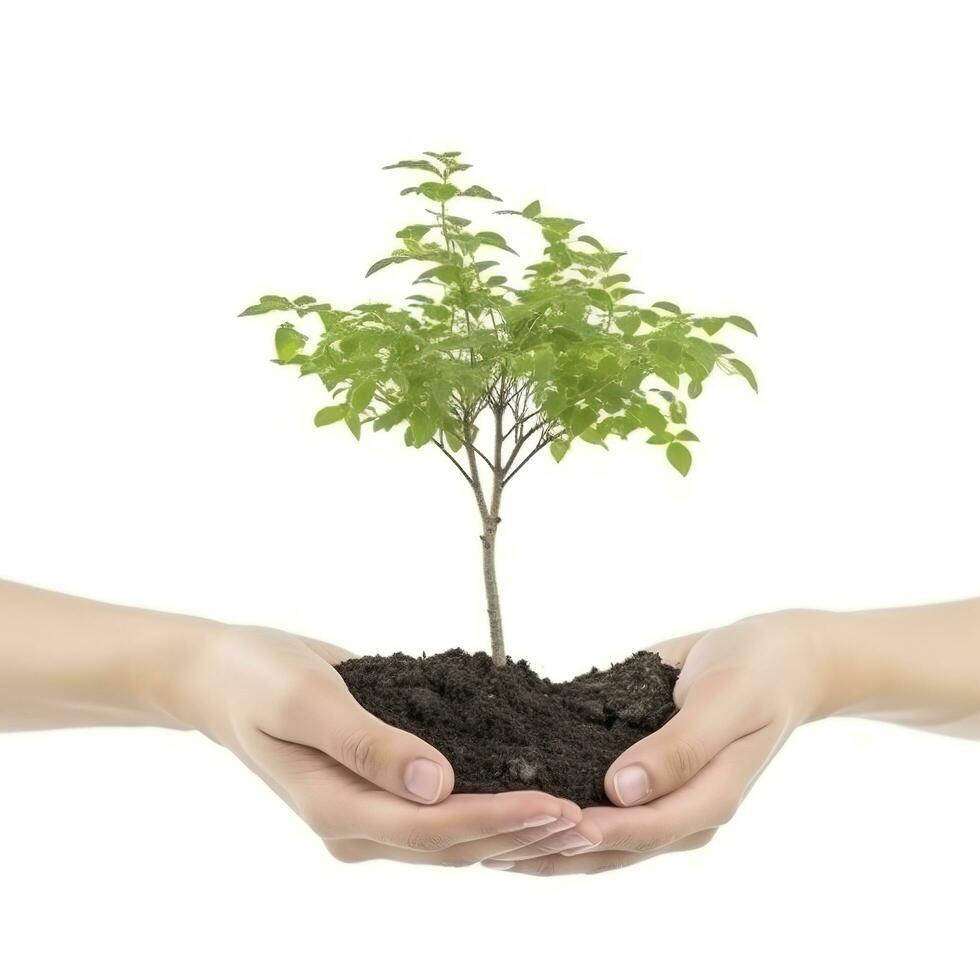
<point x="492" y="371"/>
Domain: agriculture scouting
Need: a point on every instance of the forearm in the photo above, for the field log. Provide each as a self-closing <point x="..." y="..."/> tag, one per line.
<point x="68" y="662"/>
<point x="918" y="666"/>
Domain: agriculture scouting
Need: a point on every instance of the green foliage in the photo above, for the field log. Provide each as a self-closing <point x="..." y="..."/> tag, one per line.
<point x="567" y="353"/>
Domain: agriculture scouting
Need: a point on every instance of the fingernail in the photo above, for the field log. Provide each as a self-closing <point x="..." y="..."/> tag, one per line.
<point x="423" y="778"/>
<point x="499" y="865"/>
<point x="563" y="823"/>
<point x="554" y="824"/>
<point x="575" y="842"/>
<point x="632" y="784"/>
<point x="540" y="821"/>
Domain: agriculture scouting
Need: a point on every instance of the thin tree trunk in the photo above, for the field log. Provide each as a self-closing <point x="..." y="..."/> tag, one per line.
<point x="490" y="517"/>
<point x="489" y="539"/>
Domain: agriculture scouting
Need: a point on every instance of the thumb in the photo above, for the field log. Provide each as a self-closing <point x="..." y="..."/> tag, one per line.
<point x="326" y="717"/>
<point x="675" y="651"/>
<point x="710" y="719"/>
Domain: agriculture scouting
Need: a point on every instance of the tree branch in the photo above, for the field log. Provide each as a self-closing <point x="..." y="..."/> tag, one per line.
<point x="481" y="500"/>
<point x="520" y="420"/>
<point x="498" y="469"/>
<point x="519" y="443"/>
<point x="545" y="439"/>
<point x="452" y="459"/>
<point x="482" y="455"/>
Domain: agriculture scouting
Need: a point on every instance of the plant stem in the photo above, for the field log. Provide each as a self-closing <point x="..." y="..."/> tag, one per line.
<point x="490" y="518"/>
<point x="489" y="539"/>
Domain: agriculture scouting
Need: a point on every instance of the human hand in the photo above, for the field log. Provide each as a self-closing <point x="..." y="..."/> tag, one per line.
<point x="368" y="789"/>
<point x="742" y="690"/>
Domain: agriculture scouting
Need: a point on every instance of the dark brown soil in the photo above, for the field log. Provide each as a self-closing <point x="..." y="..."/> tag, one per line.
<point x="506" y="728"/>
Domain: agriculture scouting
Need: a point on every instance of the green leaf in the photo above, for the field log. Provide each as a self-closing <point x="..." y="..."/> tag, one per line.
<point x="413" y="232"/>
<point x="580" y="418"/>
<point x="686" y="435"/>
<point x="744" y="370"/>
<point x="423" y="428"/>
<point x="710" y="324"/>
<point x="679" y="456"/>
<point x="477" y="191"/>
<point x="544" y="364"/>
<point x="741" y="323"/>
<point x="289" y="342"/>
<point x="554" y="404"/>
<point x="629" y="323"/>
<point x="414" y="165"/>
<point x="452" y="440"/>
<point x="532" y="211"/>
<point x="392" y="417"/>
<point x="304" y="300"/>
<point x="361" y="395"/>
<point x="379" y="265"/>
<point x="353" y="421"/>
<point x="669" y="307"/>
<point x="492" y="238"/>
<point x="594" y="242"/>
<point x="559" y="226"/>
<point x="649" y="416"/>
<point x="438" y="192"/>
<point x="266" y="305"/>
<point x="590" y="435"/>
<point x="330" y="414"/>
<point x="436" y="311"/>
<point x="558" y="449"/>
<point x="444" y="273"/>
<point x="600" y="298"/>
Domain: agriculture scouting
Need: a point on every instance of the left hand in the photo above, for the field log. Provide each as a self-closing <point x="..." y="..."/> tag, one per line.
<point x="277" y="702"/>
<point x="742" y="690"/>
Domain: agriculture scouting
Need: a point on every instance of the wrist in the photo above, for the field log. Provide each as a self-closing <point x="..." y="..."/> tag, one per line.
<point x="804" y="639"/>
<point x="827" y="643"/>
<point x="163" y="682"/>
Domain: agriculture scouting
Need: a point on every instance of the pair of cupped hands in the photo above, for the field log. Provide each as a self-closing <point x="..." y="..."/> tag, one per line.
<point x="371" y="791"/>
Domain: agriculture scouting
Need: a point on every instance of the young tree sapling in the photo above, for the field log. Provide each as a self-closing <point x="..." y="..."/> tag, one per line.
<point x="490" y="371"/>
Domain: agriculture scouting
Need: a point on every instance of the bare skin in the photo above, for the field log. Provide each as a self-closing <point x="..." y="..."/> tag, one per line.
<point x="274" y="700"/>
<point x="372" y="791"/>
<point x="742" y="691"/>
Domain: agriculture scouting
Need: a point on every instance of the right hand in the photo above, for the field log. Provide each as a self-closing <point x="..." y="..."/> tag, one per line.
<point x="367" y="789"/>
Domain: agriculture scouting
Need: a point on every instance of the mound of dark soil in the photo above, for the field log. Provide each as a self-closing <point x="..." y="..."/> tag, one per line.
<point x="505" y="728"/>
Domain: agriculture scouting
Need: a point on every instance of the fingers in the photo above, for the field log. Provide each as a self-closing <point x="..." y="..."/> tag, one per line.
<point x="584" y="836"/>
<point x="675" y="651"/>
<point x="597" y="862"/>
<point x="327" y="651"/>
<point x="459" y="855"/>
<point x="711" y="718"/>
<point x="706" y="802"/>
<point x="322" y="713"/>
<point x="380" y="817"/>
<point x="685" y="819"/>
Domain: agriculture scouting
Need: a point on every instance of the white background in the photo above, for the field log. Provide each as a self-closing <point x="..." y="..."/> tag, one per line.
<point x="811" y="166"/>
